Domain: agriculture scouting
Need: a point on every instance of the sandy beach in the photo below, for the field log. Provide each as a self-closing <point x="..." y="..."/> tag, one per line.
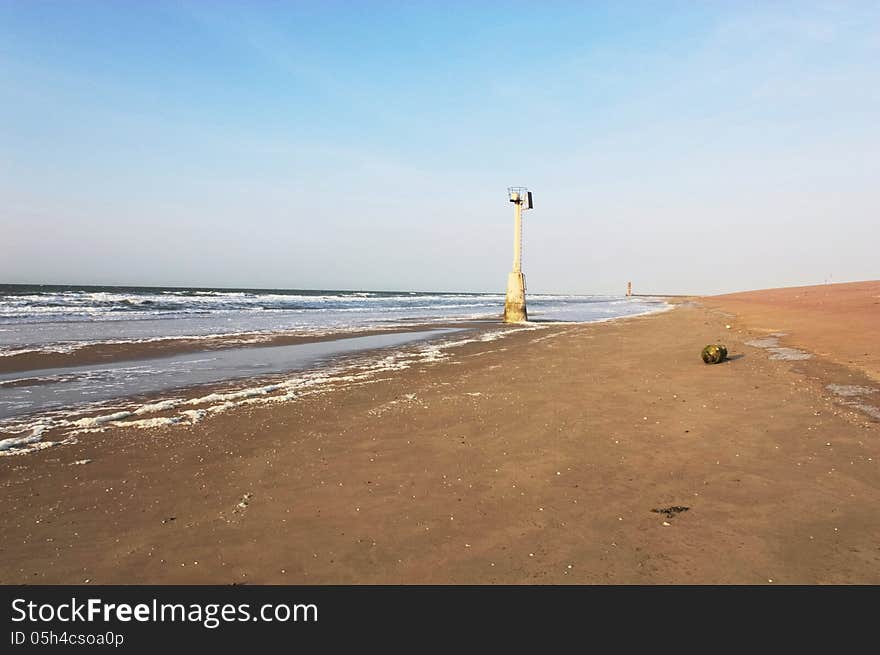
<point x="594" y="453"/>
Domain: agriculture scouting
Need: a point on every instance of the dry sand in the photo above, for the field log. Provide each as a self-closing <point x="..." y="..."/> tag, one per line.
<point x="840" y="322"/>
<point x="539" y="458"/>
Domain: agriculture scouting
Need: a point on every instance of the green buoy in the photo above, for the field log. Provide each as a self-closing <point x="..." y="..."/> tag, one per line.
<point x="714" y="353"/>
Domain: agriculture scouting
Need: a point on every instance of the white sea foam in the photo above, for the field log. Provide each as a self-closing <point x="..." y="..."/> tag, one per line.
<point x="158" y="407"/>
<point x="94" y="421"/>
<point x="13" y="444"/>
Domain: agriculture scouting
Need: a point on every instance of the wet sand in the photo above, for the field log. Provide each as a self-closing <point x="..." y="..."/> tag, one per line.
<point x="603" y="453"/>
<point x="106" y="353"/>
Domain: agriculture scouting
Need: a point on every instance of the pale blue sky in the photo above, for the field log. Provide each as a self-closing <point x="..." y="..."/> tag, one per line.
<point x="690" y="147"/>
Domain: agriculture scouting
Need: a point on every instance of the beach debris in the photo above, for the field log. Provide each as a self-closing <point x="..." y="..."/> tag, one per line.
<point x="671" y="511"/>
<point x="81" y="462"/>
<point x="245" y="501"/>
<point x="405" y="399"/>
<point x="714" y="353"/>
<point x="238" y="510"/>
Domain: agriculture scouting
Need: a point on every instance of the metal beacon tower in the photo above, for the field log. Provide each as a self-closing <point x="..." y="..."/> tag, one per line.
<point x="515" y="302"/>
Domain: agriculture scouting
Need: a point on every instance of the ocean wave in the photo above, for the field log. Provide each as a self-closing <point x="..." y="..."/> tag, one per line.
<point x="58" y="319"/>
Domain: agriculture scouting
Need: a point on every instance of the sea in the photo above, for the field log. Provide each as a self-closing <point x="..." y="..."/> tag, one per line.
<point x="61" y="318"/>
<point x="363" y="334"/>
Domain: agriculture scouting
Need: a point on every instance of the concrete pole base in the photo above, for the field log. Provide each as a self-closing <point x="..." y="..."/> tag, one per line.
<point x="515" y="303"/>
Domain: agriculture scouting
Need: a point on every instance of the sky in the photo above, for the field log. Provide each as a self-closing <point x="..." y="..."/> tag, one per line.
<point x="693" y="147"/>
